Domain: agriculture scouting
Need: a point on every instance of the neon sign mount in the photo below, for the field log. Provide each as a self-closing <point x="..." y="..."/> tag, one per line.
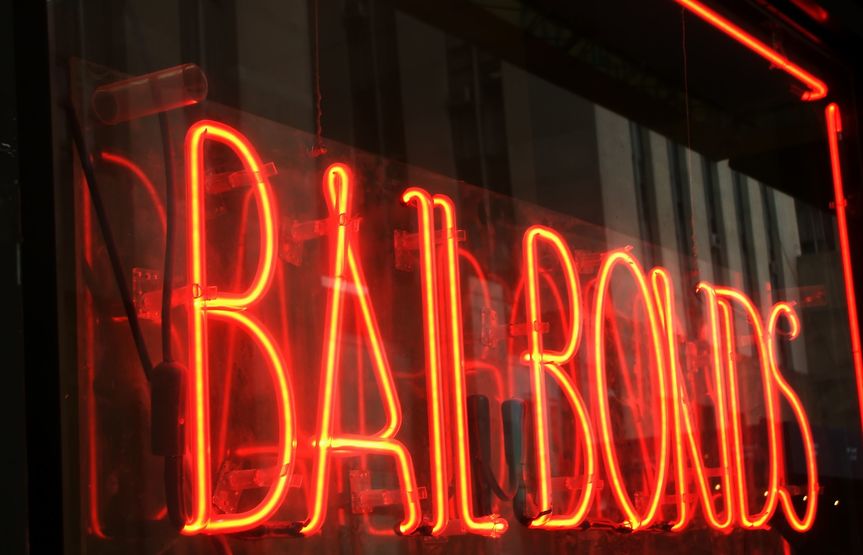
<point x="677" y="455"/>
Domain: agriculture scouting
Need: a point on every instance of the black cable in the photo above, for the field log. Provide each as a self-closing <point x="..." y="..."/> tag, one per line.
<point x="110" y="245"/>
<point x="174" y="490"/>
<point x="490" y="480"/>
<point x="167" y="395"/>
<point x="167" y="387"/>
<point x="167" y="274"/>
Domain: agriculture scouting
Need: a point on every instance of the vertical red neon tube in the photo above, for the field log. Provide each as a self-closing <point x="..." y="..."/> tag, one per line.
<point x="634" y="519"/>
<point x="89" y="354"/>
<point x="722" y="423"/>
<point x="491" y="525"/>
<point x="434" y="374"/>
<point x="797" y="523"/>
<point x="231" y="307"/>
<point x="346" y="269"/>
<point x="661" y="282"/>
<point x="834" y="128"/>
<point x="544" y="360"/>
<point x="231" y="348"/>
<point x="684" y="428"/>
<point x="725" y="296"/>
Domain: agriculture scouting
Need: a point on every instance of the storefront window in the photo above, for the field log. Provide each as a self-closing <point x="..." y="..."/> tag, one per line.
<point x="485" y="277"/>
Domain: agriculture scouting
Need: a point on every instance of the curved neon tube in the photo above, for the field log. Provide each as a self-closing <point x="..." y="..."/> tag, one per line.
<point x="202" y="304"/>
<point x="543" y="360"/>
<point x="197" y="135"/>
<point x="634" y="520"/>
<point x="725" y="296"/>
<point x="721" y="401"/>
<point x="136" y="170"/>
<point x="246" y="520"/>
<point x="797" y="523"/>
<point x="578" y="512"/>
<point x="530" y="240"/>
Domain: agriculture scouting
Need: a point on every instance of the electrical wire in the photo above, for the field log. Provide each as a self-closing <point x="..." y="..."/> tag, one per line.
<point x="318" y="148"/>
<point x="170" y="221"/>
<point x="173" y="463"/>
<point x="110" y="245"/>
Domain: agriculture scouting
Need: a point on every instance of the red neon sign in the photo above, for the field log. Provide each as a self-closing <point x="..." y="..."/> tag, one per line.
<point x="453" y="510"/>
<point x="679" y="454"/>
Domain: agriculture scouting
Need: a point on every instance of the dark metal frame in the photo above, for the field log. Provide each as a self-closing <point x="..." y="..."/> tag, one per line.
<point x="39" y="292"/>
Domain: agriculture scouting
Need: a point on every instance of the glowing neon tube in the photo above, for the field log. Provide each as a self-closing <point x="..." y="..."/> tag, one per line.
<point x="434" y="374"/>
<point x="797" y="523"/>
<point x="544" y="360"/>
<point x="345" y="265"/>
<point x="222" y="305"/>
<point x="489" y="525"/>
<point x="817" y="87"/>
<point x="726" y="296"/>
<point x="634" y="520"/>
<point x="834" y="128"/>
